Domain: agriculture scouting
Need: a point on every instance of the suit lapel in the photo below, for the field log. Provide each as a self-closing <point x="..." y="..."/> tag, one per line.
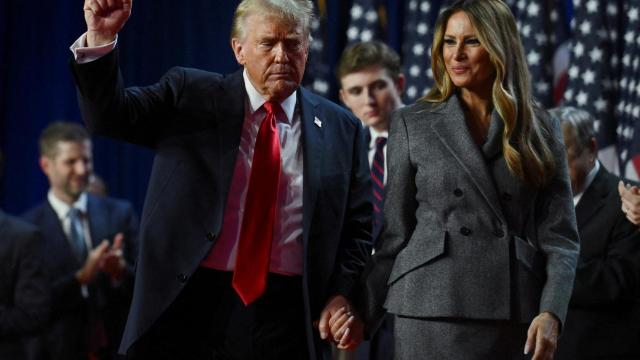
<point x="221" y="156"/>
<point x="313" y="146"/>
<point x="592" y="199"/>
<point x="50" y="222"/>
<point x="452" y="131"/>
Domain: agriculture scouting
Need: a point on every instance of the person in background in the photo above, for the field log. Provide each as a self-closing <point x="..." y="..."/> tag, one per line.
<point x="601" y="321"/>
<point x="257" y="218"/>
<point x="371" y="86"/>
<point x="25" y="294"/>
<point x="478" y="255"/>
<point x="90" y="247"/>
<point x="97" y="186"/>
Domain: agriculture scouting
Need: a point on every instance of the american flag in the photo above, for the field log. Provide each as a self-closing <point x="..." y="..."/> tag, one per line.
<point x="540" y="26"/>
<point x="594" y="71"/>
<point x="367" y="21"/>
<point x="628" y="106"/>
<point x="416" y="50"/>
<point x="318" y="76"/>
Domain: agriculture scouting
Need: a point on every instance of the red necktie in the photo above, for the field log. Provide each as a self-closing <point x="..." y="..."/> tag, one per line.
<point x="256" y="234"/>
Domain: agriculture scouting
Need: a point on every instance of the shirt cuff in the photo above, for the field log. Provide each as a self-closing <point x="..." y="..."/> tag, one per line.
<point x="83" y="54"/>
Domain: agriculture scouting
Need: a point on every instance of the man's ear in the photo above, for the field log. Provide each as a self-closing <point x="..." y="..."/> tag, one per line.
<point x="593" y="146"/>
<point x="45" y="163"/>
<point x="238" y="50"/>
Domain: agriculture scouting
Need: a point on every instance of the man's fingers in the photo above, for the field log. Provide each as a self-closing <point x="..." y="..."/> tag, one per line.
<point x="92" y="5"/>
<point x="621" y="188"/>
<point x="102" y="4"/>
<point x="103" y="248"/>
<point x="117" y="241"/>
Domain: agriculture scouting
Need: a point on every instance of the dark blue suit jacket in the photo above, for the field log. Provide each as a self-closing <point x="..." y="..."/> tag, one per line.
<point x="24" y="290"/>
<point x="193" y="120"/>
<point x="602" y="321"/>
<point x="72" y="314"/>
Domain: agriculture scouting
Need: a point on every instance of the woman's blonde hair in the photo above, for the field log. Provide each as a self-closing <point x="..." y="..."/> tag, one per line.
<point x="525" y="150"/>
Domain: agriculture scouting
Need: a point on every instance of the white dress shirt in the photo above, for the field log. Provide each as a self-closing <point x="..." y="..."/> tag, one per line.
<point x="587" y="182"/>
<point x="286" y="250"/>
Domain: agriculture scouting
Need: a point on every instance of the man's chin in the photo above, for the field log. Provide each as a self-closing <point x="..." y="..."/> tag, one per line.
<point x="282" y="90"/>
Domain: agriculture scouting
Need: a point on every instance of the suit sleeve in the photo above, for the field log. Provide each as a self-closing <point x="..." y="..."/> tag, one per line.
<point x="355" y="242"/>
<point x="139" y="114"/>
<point x="399" y="221"/>
<point x="31" y="296"/>
<point x="557" y="233"/>
<point x="610" y="277"/>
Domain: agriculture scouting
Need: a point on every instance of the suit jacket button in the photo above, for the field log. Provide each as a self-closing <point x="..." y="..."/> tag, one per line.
<point x="465" y="231"/>
<point x="182" y="278"/>
<point x="499" y="233"/>
<point x="457" y="192"/>
<point x="211" y="236"/>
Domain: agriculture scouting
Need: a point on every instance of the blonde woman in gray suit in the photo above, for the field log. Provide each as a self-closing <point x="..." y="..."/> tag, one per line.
<point x="478" y="257"/>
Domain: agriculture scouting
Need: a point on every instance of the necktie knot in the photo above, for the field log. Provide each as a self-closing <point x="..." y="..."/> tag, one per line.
<point x="74" y="213"/>
<point x="273" y="107"/>
<point x="77" y="233"/>
<point x="381" y="141"/>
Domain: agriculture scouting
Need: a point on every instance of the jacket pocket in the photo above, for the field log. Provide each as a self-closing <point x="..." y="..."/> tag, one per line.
<point x="420" y="251"/>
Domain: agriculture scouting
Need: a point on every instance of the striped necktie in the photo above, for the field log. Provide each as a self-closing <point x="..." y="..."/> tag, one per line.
<point x="377" y="177"/>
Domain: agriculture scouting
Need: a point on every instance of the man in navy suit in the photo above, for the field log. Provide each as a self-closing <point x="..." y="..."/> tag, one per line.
<point x="371" y="86"/>
<point x="89" y="250"/>
<point x="602" y="321"/>
<point x="257" y="218"/>
<point x="24" y="292"/>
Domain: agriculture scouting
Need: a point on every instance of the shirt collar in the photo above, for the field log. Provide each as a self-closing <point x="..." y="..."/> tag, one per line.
<point x="587" y="182"/>
<point x="62" y="209"/>
<point x="376" y="134"/>
<point x="256" y="100"/>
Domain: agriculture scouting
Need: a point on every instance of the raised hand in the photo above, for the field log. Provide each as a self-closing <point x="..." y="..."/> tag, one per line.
<point x="105" y="18"/>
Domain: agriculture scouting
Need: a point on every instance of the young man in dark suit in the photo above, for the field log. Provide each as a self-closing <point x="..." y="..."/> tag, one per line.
<point x="24" y="292"/>
<point x="602" y="321"/>
<point x="89" y="249"/>
<point x="257" y="218"/>
<point x="371" y="86"/>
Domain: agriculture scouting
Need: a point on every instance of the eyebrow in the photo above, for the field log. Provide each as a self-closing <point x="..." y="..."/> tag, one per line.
<point x="464" y="37"/>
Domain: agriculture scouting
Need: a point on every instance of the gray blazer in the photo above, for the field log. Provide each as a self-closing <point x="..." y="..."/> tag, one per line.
<point x="464" y="238"/>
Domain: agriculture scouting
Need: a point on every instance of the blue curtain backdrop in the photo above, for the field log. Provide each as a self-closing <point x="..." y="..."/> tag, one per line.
<point x="36" y="86"/>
